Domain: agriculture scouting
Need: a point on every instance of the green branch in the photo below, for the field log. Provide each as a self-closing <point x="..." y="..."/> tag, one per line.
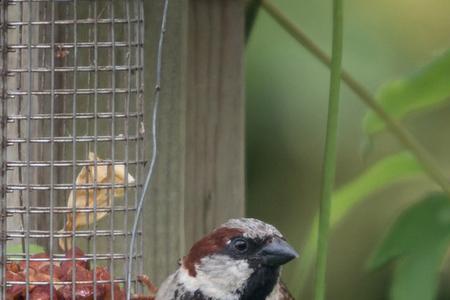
<point x="329" y="164"/>
<point x="393" y="125"/>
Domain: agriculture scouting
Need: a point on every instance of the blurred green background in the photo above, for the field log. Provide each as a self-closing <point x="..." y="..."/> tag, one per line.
<point x="287" y="94"/>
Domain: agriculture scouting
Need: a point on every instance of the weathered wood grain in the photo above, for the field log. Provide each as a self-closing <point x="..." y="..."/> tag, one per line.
<point x="199" y="179"/>
<point x="163" y="217"/>
<point x="215" y="115"/>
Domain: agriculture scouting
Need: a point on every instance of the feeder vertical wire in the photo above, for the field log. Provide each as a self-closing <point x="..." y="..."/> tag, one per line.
<point x="52" y="144"/>
<point x="154" y="148"/>
<point x="113" y="147"/>
<point x="4" y="104"/>
<point x="88" y="128"/>
<point x="94" y="220"/>
<point x="127" y="120"/>
<point x="19" y="127"/>
<point x="141" y="142"/>
<point x="74" y="148"/>
<point x="139" y="108"/>
<point x="28" y="147"/>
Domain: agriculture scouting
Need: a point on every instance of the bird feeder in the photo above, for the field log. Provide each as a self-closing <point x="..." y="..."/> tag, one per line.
<point x="72" y="146"/>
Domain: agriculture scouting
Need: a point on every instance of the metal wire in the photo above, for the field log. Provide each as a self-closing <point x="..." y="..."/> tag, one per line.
<point x="28" y="157"/>
<point x="51" y="247"/>
<point x="4" y="106"/>
<point x="154" y="147"/>
<point x="71" y="85"/>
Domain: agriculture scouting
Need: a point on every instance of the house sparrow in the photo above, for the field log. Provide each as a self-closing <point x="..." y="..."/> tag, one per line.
<point x="239" y="260"/>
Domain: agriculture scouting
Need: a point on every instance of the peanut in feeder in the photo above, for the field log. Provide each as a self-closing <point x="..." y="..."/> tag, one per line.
<point x="94" y="197"/>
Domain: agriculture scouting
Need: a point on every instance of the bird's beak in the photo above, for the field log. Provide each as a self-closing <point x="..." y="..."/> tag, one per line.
<point x="277" y="252"/>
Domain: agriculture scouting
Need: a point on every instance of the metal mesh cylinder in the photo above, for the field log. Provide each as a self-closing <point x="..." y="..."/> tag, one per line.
<point x="72" y="148"/>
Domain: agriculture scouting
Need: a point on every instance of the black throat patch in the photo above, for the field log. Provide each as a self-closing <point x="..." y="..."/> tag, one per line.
<point x="261" y="283"/>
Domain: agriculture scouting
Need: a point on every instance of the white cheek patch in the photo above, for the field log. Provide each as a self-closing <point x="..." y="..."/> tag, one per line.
<point x="218" y="276"/>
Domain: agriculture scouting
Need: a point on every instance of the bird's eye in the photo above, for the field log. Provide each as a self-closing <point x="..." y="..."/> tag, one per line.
<point x="240" y="245"/>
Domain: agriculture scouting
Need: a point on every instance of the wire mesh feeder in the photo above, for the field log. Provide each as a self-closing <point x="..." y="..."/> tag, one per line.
<point x="72" y="147"/>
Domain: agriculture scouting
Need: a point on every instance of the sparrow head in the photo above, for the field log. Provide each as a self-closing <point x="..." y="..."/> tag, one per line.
<point x="241" y="259"/>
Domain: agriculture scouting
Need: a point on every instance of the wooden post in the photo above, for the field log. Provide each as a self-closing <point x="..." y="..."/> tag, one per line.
<point x="199" y="178"/>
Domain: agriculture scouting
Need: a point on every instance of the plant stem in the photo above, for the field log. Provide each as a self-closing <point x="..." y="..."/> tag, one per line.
<point x="329" y="161"/>
<point x="393" y="125"/>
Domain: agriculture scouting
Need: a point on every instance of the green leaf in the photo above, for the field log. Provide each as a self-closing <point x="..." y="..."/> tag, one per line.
<point x="33" y="248"/>
<point x="416" y="276"/>
<point x="418" y="240"/>
<point x="425" y="223"/>
<point x="426" y="88"/>
<point x="383" y="173"/>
